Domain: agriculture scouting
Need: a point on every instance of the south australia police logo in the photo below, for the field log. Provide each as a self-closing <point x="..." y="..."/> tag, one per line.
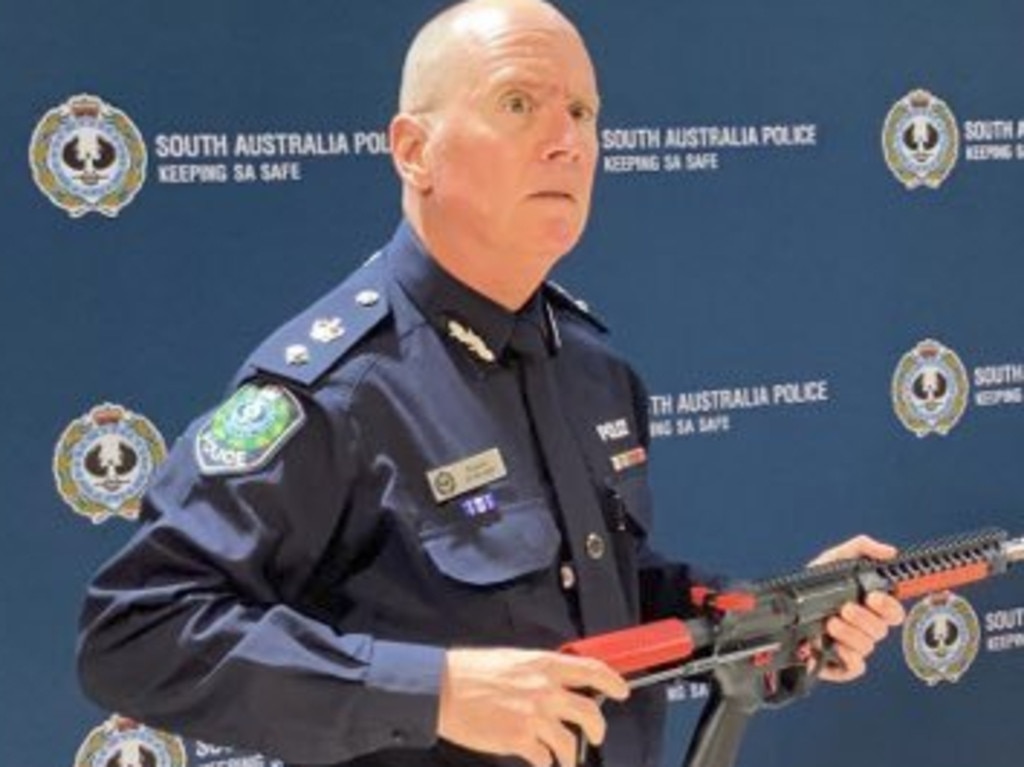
<point x="920" y="140"/>
<point x="930" y="389"/>
<point x="104" y="460"/>
<point x="244" y="433"/>
<point x="120" y="742"/>
<point x="87" y="156"/>
<point x="941" y="637"/>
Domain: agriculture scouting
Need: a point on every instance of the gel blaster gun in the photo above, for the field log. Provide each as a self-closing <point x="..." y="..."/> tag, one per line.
<point x="764" y="645"/>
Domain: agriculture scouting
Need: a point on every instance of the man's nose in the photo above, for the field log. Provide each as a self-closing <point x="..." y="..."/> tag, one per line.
<point x="565" y="138"/>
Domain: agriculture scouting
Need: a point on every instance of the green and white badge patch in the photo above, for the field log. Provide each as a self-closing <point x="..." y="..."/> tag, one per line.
<point x="245" y="432"/>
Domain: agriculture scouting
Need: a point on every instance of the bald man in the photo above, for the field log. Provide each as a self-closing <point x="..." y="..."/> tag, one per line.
<point x="429" y="480"/>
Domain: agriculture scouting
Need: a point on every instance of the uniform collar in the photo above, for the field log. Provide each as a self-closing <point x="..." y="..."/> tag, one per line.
<point x="477" y="324"/>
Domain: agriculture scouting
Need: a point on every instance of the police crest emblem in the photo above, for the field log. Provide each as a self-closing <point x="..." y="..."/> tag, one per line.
<point x="930" y="389"/>
<point x="87" y="156"/>
<point x="104" y="460"/>
<point x="941" y="638"/>
<point x="245" y="432"/>
<point x="920" y="140"/>
<point x="121" y="742"/>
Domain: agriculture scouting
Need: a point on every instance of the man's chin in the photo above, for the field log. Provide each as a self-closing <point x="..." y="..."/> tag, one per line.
<point x="557" y="236"/>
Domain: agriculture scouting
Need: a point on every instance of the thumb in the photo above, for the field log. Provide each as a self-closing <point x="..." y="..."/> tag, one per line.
<point x="859" y="546"/>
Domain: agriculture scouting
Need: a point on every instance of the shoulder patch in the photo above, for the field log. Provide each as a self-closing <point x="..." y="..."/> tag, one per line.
<point x="245" y="432"/>
<point x="561" y="297"/>
<point x="306" y="347"/>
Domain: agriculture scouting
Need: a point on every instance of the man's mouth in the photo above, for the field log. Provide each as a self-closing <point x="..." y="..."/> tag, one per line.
<point x="551" y="194"/>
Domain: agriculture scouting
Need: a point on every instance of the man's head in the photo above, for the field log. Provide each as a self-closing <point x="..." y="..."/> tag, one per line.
<point x="496" y="142"/>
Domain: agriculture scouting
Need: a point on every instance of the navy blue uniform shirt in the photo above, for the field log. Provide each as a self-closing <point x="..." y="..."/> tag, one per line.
<point x="382" y="485"/>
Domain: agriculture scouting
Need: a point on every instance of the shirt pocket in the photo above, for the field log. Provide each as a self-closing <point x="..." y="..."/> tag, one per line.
<point x="524" y="539"/>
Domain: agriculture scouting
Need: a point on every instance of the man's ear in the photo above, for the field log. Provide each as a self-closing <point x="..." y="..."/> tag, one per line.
<point x="408" y="136"/>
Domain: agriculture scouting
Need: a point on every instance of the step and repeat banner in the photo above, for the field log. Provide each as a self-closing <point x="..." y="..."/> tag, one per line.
<point x="807" y="234"/>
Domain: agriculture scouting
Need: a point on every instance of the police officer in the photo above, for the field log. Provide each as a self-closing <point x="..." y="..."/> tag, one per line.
<point x="429" y="479"/>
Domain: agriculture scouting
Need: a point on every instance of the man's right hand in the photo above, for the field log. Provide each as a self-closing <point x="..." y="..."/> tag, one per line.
<point x="525" y="703"/>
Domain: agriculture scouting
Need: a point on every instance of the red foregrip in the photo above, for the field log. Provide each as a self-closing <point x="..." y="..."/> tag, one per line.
<point x="637" y="649"/>
<point x="941" y="581"/>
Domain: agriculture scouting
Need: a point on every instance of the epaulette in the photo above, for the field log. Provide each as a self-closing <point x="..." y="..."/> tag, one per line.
<point x="563" y="298"/>
<point x="306" y="347"/>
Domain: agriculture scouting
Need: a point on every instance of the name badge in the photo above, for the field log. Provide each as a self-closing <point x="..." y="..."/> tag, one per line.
<point x="447" y="482"/>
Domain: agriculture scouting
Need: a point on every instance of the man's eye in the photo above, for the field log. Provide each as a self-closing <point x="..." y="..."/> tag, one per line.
<point x="517" y="104"/>
<point x="582" y="112"/>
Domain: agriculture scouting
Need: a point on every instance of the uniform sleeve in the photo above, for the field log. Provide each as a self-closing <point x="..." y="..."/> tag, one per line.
<point x="195" y="626"/>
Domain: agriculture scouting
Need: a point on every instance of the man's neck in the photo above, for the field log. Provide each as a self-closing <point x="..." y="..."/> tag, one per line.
<point x="506" y="278"/>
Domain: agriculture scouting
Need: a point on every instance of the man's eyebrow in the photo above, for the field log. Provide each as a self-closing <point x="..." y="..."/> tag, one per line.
<point x="512" y="80"/>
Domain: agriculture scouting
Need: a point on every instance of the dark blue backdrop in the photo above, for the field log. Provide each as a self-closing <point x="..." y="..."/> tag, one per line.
<point x="779" y="265"/>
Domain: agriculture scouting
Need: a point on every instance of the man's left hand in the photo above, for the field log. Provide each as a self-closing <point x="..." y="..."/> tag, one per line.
<point x="859" y="627"/>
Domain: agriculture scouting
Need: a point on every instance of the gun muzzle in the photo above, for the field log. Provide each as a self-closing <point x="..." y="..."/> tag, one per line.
<point x="1014" y="549"/>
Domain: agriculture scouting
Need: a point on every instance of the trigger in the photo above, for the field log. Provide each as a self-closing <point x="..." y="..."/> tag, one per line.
<point x="827" y="656"/>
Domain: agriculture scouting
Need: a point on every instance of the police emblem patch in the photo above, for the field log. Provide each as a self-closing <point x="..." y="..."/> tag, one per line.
<point x="245" y="432"/>
<point x="121" y="742"/>
<point x="920" y="140"/>
<point x="941" y="637"/>
<point x="930" y="389"/>
<point x="87" y="156"/>
<point x="104" y="460"/>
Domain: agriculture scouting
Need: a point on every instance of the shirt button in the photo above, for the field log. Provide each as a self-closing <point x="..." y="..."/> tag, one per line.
<point x="568" y="576"/>
<point x="595" y="546"/>
<point x="397" y="737"/>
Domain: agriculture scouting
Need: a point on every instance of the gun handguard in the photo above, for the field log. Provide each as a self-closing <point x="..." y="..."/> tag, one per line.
<point x="759" y="643"/>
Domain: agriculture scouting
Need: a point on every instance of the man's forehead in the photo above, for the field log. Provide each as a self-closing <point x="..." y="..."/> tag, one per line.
<point x="530" y="56"/>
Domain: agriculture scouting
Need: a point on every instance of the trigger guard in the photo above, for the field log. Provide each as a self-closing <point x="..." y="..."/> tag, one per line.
<point x="793" y="683"/>
<point x="828" y="656"/>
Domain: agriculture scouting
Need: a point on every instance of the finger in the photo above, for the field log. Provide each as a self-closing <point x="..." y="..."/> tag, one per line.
<point x="886" y="607"/>
<point x="583" y="712"/>
<point x="865" y="620"/>
<point x="866" y="546"/>
<point x="588" y="674"/>
<point x="559" y="740"/>
<point x="850" y="667"/>
<point x="859" y="546"/>
<point x="850" y="637"/>
<point x="536" y="753"/>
